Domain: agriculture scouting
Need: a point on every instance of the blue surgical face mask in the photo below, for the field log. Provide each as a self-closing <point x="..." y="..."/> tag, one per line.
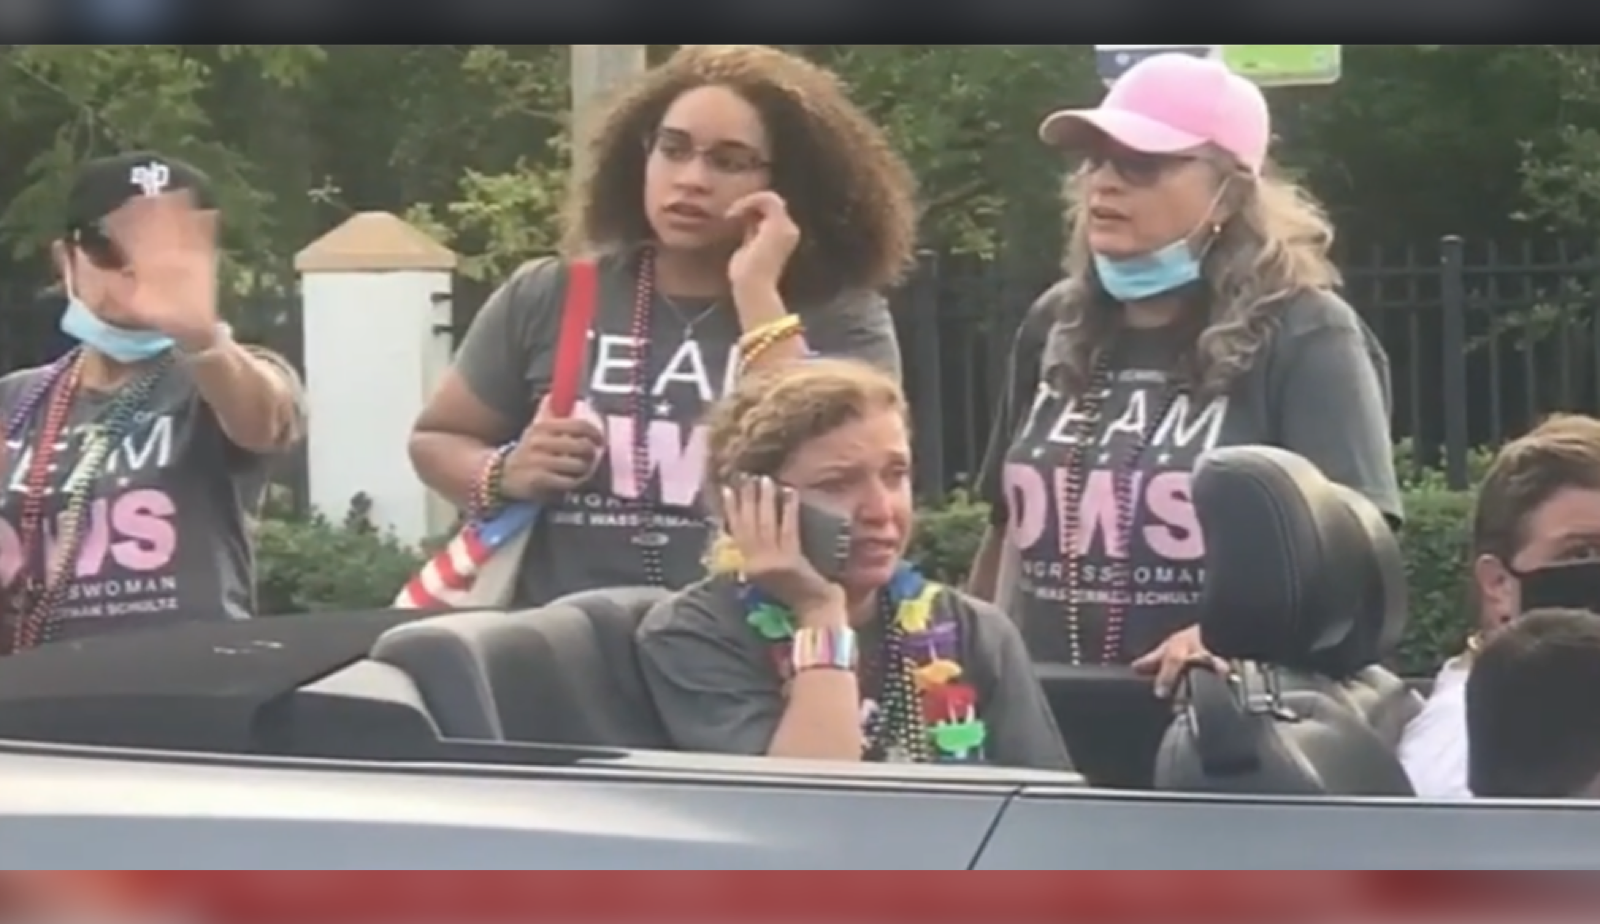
<point x="1167" y="269"/>
<point x="123" y="346"/>
<point x="1134" y="279"/>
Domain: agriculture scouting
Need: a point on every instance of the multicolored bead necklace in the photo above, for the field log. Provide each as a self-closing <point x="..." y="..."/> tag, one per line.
<point x="927" y="712"/>
<point x="38" y="596"/>
<point x="1091" y="409"/>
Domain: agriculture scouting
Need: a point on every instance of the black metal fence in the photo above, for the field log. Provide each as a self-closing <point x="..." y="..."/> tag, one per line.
<point x="1484" y="339"/>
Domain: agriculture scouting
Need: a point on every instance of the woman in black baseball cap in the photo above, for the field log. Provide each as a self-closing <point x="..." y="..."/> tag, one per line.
<point x="135" y="462"/>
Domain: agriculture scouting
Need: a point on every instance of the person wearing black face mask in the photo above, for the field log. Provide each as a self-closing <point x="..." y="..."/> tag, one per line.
<point x="1536" y="544"/>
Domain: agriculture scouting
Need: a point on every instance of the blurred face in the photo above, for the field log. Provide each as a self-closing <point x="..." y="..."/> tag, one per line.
<point x="862" y="470"/>
<point x="1135" y="203"/>
<point x="96" y="277"/>
<point x="1565" y="528"/>
<point x="710" y="151"/>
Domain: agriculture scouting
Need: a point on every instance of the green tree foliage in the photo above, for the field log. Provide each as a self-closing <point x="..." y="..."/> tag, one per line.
<point x="471" y="141"/>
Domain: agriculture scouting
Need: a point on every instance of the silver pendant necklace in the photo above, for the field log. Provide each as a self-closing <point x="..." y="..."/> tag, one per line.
<point x="689" y="323"/>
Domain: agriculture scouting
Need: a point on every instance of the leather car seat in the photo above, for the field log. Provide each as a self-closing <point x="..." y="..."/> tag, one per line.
<point x="448" y="658"/>
<point x="1303" y="593"/>
<point x="1240" y="735"/>
<point x="630" y="718"/>
<point x="1383" y="698"/>
<point x="1388" y="599"/>
<point x="565" y="673"/>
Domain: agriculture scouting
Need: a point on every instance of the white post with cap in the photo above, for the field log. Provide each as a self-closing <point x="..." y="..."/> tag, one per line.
<point x="378" y="338"/>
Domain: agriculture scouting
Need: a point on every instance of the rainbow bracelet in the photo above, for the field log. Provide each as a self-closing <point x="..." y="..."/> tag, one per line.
<point x="824" y="649"/>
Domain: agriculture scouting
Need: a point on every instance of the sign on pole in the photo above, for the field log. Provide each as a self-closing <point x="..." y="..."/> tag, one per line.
<point x="1112" y="61"/>
<point x="1285" y="65"/>
<point x="1267" y="65"/>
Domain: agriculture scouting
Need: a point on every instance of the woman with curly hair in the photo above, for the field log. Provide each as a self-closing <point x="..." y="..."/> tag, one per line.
<point x="1199" y="311"/>
<point x="742" y="213"/>
<point x="820" y="641"/>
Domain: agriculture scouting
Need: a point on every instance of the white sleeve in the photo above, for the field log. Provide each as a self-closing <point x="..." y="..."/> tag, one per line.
<point x="1434" y="746"/>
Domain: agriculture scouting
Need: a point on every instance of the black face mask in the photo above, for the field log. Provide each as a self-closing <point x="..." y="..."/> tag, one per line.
<point x="1569" y="585"/>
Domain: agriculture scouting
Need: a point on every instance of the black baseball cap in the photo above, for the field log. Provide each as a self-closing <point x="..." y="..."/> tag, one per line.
<point x="103" y="185"/>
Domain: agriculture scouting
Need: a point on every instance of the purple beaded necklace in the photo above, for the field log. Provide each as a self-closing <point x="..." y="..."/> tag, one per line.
<point x="37" y="598"/>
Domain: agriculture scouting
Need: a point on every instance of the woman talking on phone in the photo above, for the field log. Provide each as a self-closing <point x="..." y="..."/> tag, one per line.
<point x="743" y="213"/>
<point x="814" y="638"/>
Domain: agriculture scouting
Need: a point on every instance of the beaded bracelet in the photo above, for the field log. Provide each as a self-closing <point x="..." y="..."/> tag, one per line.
<point x="785" y="323"/>
<point x="756" y="343"/>
<point x="488" y="489"/>
<point x="824" y="649"/>
<point x="785" y="326"/>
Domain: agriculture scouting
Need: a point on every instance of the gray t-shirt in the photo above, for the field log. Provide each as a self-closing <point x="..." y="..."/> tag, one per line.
<point x="718" y="690"/>
<point x="592" y="538"/>
<point x="1319" y="388"/>
<point x="169" y="529"/>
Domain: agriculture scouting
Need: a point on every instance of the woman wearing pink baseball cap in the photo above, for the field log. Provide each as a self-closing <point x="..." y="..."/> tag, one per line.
<point x="1199" y="311"/>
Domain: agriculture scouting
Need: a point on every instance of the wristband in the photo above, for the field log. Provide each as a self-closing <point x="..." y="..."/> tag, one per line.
<point x="824" y="649"/>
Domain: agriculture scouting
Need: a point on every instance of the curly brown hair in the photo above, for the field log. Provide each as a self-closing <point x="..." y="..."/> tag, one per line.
<point x="852" y="196"/>
<point x="770" y="413"/>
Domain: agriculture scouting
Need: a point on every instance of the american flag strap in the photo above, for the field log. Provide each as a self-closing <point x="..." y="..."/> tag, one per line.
<point x="451" y="576"/>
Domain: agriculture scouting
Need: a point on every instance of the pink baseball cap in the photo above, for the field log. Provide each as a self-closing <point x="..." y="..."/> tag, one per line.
<point x="1169" y="103"/>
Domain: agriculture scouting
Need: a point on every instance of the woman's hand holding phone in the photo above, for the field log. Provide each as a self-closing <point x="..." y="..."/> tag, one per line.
<point x="763" y="519"/>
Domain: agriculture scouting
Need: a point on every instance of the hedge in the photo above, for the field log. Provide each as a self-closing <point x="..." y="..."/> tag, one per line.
<point x="314" y="564"/>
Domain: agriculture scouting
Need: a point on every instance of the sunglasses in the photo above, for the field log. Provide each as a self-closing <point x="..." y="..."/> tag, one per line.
<point x="1136" y="168"/>
<point x="95" y="243"/>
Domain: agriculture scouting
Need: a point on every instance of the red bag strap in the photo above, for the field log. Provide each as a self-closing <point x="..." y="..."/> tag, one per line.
<point x="572" y="347"/>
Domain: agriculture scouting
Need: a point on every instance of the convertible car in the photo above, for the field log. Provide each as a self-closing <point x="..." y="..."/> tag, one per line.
<point x="483" y="740"/>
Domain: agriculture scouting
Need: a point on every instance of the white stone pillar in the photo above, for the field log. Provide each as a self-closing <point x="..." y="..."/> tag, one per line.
<point x="375" y="294"/>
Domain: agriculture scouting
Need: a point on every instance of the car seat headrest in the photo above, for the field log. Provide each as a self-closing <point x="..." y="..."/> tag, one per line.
<point x="1294" y="572"/>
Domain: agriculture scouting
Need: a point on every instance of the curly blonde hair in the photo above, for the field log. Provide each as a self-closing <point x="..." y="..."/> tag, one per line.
<point x="769" y="414"/>
<point x="852" y="196"/>
<point x="1275" y="243"/>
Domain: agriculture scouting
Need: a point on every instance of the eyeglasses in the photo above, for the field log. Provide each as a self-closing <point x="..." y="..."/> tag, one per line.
<point x="726" y="157"/>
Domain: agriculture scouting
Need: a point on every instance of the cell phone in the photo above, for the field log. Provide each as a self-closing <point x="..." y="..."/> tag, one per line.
<point x="824" y="540"/>
<point x="1566" y="586"/>
<point x="824" y="537"/>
